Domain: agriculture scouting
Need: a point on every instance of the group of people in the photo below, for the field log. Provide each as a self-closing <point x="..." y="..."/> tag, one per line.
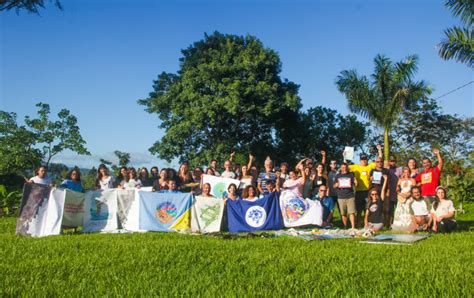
<point x="368" y="195"/>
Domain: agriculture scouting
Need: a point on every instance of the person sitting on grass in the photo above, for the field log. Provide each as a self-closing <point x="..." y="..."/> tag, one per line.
<point x="374" y="211"/>
<point x="443" y="213"/>
<point x="206" y="191"/>
<point x="73" y="181"/>
<point x="41" y="177"/>
<point x="421" y="210"/>
<point x="328" y="205"/>
<point x="232" y="193"/>
<point x="250" y="193"/>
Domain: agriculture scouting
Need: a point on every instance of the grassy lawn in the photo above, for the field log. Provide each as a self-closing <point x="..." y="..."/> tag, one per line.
<point x="175" y="264"/>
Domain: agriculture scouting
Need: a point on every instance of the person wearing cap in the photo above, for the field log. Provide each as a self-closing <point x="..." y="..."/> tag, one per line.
<point x="443" y="212"/>
<point x="362" y="174"/>
<point x="429" y="177"/>
<point x="394" y="173"/>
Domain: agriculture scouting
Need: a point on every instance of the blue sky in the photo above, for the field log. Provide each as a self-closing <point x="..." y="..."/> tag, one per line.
<point x="97" y="58"/>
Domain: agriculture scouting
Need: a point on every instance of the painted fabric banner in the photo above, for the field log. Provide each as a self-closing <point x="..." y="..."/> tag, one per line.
<point x="164" y="212"/>
<point x="219" y="185"/>
<point x="100" y="213"/>
<point x="73" y="215"/>
<point x="125" y="202"/>
<point x="248" y="216"/>
<point x="207" y="214"/>
<point x="41" y="211"/>
<point x="299" y="212"/>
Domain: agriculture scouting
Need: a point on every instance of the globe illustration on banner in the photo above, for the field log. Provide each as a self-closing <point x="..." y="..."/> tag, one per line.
<point x="295" y="208"/>
<point x="255" y="216"/>
<point x="166" y="212"/>
<point x="219" y="190"/>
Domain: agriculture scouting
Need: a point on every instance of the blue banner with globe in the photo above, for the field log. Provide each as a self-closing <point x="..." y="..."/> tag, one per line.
<point x="299" y="212"/>
<point x="164" y="212"/>
<point x="219" y="185"/>
<point x="250" y="216"/>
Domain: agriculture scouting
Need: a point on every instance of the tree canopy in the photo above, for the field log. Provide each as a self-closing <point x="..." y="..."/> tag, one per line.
<point x="227" y="95"/>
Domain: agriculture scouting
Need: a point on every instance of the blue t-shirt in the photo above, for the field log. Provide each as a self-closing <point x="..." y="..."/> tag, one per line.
<point x="75" y="186"/>
<point x="328" y="206"/>
<point x="263" y="177"/>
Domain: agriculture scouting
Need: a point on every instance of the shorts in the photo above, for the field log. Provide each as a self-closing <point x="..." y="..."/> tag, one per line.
<point x="389" y="207"/>
<point x="346" y="206"/>
<point x="375" y="226"/>
<point x="361" y="200"/>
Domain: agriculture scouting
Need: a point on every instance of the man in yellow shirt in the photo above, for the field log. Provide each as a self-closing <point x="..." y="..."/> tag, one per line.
<point x="362" y="175"/>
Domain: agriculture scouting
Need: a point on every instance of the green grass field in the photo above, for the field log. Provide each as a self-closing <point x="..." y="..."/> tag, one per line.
<point x="175" y="264"/>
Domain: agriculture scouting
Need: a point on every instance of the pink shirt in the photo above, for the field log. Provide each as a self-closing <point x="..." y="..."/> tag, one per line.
<point x="295" y="186"/>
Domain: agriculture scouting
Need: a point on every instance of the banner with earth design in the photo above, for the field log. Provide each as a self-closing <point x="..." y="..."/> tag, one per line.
<point x="206" y="216"/>
<point x="100" y="211"/>
<point x="219" y="185"/>
<point x="250" y="216"/>
<point x="164" y="212"/>
<point x="299" y="212"/>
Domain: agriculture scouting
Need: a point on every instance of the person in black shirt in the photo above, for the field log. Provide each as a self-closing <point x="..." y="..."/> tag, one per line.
<point x="374" y="211"/>
<point x="344" y="185"/>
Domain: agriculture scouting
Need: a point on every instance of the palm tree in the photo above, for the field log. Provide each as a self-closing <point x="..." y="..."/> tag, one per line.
<point x="391" y="91"/>
<point x="458" y="43"/>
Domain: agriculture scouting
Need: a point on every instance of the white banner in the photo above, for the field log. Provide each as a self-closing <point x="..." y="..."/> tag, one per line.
<point x="206" y="216"/>
<point x="219" y="185"/>
<point x="298" y="212"/>
<point x="100" y="214"/>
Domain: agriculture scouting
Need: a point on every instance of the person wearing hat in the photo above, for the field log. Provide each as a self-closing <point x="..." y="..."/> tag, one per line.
<point x="394" y="173"/>
<point x="362" y="174"/>
<point x="429" y="177"/>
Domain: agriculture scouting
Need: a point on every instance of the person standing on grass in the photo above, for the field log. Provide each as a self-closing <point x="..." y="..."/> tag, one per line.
<point x="132" y="182"/>
<point x="429" y="177"/>
<point x="421" y="210"/>
<point x="228" y="170"/>
<point x="162" y="182"/>
<point x="104" y="181"/>
<point x="265" y="176"/>
<point x="404" y="219"/>
<point x="144" y="177"/>
<point x="184" y="179"/>
<point x="362" y="174"/>
<point x="154" y="174"/>
<point x="344" y="186"/>
<point x="443" y="213"/>
<point x="412" y="165"/>
<point x="328" y="205"/>
<point x="319" y="179"/>
<point x="394" y="173"/>
<point x="374" y="211"/>
<point x="331" y="179"/>
<point x="41" y="177"/>
<point x="122" y="176"/>
<point x="73" y="181"/>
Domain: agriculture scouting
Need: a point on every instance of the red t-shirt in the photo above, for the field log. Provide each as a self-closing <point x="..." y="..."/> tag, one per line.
<point x="429" y="181"/>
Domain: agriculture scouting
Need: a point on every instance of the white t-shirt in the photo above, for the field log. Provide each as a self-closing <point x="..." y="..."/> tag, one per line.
<point x="245" y="181"/>
<point x="131" y="184"/>
<point x="420" y="208"/>
<point x="295" y="186"/>
<point x="228" y="174"/>
<point x="444" y="207"/>
<point x="107" y="183"/>
<point x="45" y="180"/>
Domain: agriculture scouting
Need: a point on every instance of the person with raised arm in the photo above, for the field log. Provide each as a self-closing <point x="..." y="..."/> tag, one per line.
<point x="295" y="183"/>
<point x="430" y="176"/>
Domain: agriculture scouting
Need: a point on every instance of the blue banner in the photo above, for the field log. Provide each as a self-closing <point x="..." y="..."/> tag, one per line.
<point x="248" y="216"/>
<point x="164" y="212"/>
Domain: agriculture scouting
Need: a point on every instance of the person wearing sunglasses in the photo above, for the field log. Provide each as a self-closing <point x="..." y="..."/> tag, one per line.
<point x="328" y="205"/>
<point x="374" y="211"/>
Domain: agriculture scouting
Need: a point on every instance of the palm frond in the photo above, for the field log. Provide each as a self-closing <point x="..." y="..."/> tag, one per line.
<point x="463" y="9"/>
<point x="458" y="45"/>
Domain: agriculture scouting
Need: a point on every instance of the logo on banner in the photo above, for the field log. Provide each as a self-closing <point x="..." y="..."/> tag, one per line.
<point x="295" y="208"/>
<point x="210" y="214"/>
<point x="99" y="211"/>
<point x="166" y="212"/>
<point x="255" y="216"/>
<point x="219" y="190"/>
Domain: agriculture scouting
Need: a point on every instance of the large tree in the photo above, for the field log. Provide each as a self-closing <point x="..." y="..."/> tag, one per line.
<point x="458" y="42"/>
<point x="392" y="90"/>
<point x="227" y="95"/>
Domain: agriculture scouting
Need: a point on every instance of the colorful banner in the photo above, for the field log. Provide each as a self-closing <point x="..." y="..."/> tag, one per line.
<point x="248" y="216"/>
<point x="164" y="212"/>
<point x="73" y="215"/>
<point x="100" y="213"/>
<point x="299" y="212"/>
<point x="219" y="185"/>
<point x="41" y="211"/>
<point x="207" y="214"/>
